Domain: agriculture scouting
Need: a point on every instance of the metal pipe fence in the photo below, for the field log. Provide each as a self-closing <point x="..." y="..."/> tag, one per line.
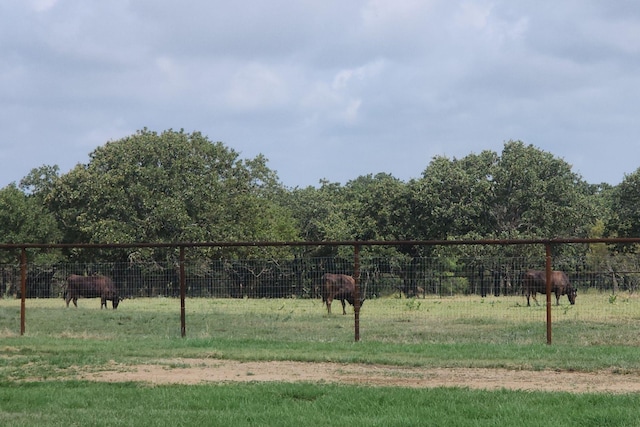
<point x="185" y="272"/>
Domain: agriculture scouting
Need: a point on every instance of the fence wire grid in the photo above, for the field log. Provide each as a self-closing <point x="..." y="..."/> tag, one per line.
<point x="415" y="299"/>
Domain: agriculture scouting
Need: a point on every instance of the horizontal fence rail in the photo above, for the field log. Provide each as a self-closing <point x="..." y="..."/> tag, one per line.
<point x="295" y="276"/>
<point x="553" y="241"/>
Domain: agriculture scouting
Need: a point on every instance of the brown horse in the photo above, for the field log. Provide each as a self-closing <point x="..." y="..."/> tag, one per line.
<point x="338" y="286"/>
<point x="536" y="281"/>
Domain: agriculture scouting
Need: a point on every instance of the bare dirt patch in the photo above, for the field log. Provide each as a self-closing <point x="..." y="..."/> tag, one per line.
<point x="203" y="371"/>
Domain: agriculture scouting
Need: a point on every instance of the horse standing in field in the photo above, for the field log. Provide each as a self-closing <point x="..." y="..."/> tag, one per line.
<point x="91" y="287"/>
<point x="536" y="281"/>
<point x="340" y="287"/>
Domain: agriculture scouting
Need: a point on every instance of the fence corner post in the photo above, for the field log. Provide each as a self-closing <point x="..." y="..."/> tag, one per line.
<point x="548" y="270"/>
<point x="23" y="289"/>
<point x="183" y="291"/>
<point x="356" y="291"/>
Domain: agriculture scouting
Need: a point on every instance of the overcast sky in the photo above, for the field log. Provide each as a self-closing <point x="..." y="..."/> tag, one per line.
<point x="324" y="89"/>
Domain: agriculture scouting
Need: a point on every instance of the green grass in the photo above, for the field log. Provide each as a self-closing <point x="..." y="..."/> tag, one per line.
<point x="598" y="333"/>
<point x="255" y="404"/>
<point x="461" y="331"/>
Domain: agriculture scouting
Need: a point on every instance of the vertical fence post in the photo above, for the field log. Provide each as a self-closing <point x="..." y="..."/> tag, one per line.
<point x="548" y="289"/>
<point x="183" y="291"/>
<point x="356" y="291"/>
<point x="23" y="288"/>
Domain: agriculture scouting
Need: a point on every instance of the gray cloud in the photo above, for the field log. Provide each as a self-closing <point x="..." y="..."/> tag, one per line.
<point x="324" y="89"/>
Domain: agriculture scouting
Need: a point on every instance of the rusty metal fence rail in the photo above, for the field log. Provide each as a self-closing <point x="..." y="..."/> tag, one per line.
<point x="298" y="277"/>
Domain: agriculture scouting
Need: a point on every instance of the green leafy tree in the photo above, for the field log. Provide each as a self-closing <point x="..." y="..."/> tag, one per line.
<point x="40" y="181"/>
<point x="169" y="187"/>
<point x="320" y="215"/>
<point x="453" y="197"/>
<point x="377" y="207"/>
<point x="522" y="193"/>
<point x="537" y="195"/>
<point x="625" y="209"/>
<point x="24" y="219"/>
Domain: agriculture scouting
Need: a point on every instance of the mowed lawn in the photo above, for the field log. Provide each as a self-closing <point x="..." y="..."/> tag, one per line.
<point x="599" y="333"/>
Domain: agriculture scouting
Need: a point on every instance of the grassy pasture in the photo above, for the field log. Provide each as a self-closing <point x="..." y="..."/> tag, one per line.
<point x="596" y="333"/>
<point x="599" y="332"/>
<point x="255" y="404"/>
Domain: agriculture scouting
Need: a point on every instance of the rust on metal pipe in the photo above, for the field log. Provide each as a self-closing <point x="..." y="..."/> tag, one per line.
<point x="23" y="289"/>
<point x="548" y="289"/>
<point x="356" y="291"/>
<point x="183" y="292"/>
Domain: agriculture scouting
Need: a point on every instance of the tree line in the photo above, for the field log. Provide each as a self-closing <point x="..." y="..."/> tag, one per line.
<point x="176" y="186"/>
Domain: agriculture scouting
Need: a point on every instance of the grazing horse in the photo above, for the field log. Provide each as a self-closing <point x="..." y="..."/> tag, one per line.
<point x="91" y="287"/>
<point x="536" y="281"/>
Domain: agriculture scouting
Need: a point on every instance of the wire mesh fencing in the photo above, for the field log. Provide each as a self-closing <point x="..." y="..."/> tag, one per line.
<point x="416" y="299"/>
